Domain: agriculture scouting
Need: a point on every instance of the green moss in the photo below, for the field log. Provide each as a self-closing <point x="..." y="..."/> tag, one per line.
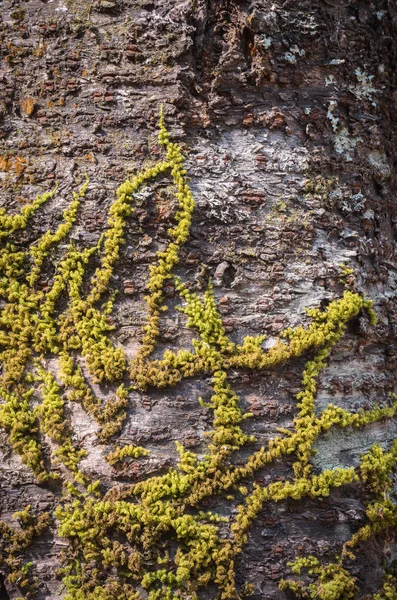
<point x="130" y="451"/>
<point x="14" y="541"/>
<point x="389" y="590"/>
<point x="11" y="223"/>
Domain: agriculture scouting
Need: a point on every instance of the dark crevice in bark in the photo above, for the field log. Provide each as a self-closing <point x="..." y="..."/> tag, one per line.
<point x="3" y="592"/>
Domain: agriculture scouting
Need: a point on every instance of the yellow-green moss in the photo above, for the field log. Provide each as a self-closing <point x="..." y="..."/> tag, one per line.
<point x="130" y="451"/>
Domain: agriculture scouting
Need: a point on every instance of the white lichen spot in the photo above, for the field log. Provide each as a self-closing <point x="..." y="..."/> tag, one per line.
<point x="337" y="61"/>
<point x="299" y="20"/>
<point x="266" y="42"/>
<point x="358" y="201"/>
<point x="308" y="110"/>
<point x="331" y="117"/>
<point x="291" y="58"/>
<point x="143" y="194"/>
<point x="345" y="144"/>
<point x="218" y="208"/>
<point x="330" y="80"/>
<point x="364" y="90"/>
<point x="379" y="161"/>
<point x="354" y="203"/>
<point x="369" y="214"/>
<point x="297" y="51"/>
<point x="294" y="52"/>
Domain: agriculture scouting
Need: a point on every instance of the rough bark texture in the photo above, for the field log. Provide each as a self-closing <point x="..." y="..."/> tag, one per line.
<point x="287" y="115"/>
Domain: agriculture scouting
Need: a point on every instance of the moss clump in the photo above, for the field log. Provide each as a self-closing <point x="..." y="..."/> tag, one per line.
<point x="14" y="541"/>
<point x="130" y="451"/>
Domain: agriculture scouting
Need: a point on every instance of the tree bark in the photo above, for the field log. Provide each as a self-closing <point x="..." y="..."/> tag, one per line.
<point x="286" y="115"/>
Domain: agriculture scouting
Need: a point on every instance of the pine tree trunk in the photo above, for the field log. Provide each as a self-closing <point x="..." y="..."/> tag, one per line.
<point x="286" y="116"/>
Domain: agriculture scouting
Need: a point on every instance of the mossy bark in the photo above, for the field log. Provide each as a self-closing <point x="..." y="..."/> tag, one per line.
<point x="286" y="115"/>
